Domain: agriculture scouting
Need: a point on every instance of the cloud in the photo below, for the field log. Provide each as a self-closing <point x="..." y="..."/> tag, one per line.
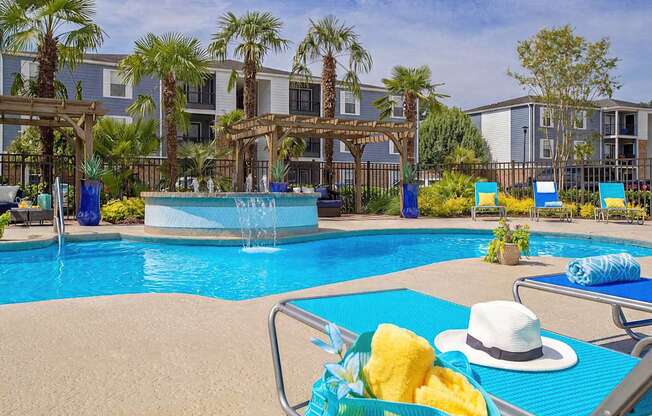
<point x="468" y="44"/>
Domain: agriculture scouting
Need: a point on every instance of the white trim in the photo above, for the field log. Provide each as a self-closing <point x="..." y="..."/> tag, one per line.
<point x="343" y="148"/>
<point x="26" y="69"/>
<point x="542" y="112"/>
<point x="392" y="148"/>
<point x="552" y="148"/>
<point x="343" y="103"/>
<point x="200" y="111"/>
<point x="126" y="119"/>
<point x="106" y="85"/>
<point x="584" y="119"/>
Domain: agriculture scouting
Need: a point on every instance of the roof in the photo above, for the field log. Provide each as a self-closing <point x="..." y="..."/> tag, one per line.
<point x="229" y="64"/>
<point x="531" y="99"/>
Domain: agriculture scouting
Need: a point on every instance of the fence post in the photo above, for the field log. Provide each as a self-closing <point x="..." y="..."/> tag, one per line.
<point x="368" y="181"/>
<point x="513" y="176"/>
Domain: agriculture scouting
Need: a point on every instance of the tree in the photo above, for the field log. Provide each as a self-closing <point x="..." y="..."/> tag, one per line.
<point x="253" y="36"/>
<point x="291" y="148"/>
<point x="201" y="160"/>
<point x="59" y="32"/>
<point x="566" y="72"/>
<point x="176" y="60"/>
<point x="118" y="144"/>
<point x="461" y="156"/>
<point x="412" y="85"/>
<point x="225" y="122"/>
<point x="332" y="42"/>
<point x="444" y="131"/>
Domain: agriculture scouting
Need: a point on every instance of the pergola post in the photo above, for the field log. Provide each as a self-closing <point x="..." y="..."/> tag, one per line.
<point x="272" y="141"/>
<point x="79" y="153"/>
<point x="238" y="171"/>
<point x="356" y="151"/>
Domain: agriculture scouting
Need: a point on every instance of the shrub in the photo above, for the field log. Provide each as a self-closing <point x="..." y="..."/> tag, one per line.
<point x="383" y="203"/>
<point x="124" y="211"/>
<point x="515" y="206"/>
<point x="4" y="221"/>
<point x="433" y="204"/>
<point x="586" y="211"/>
<point x="454" y="185"/>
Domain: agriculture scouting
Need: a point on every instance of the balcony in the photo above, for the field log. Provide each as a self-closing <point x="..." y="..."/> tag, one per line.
<point x="304" y="106"/>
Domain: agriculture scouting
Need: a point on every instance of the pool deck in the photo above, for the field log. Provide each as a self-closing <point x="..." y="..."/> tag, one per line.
<point x="170" y="354"/>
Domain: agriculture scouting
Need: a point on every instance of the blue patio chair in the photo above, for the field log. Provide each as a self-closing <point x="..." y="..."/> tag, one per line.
<point x="486" y="187"/>
<point x="602" y="382"/>
<point x="633" y="295"/>
<point x="546" y="198"/>
<point x="616" y="190"/>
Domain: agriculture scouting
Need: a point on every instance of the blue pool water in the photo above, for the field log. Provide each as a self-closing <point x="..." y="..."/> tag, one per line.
<point x="120" y="267"/>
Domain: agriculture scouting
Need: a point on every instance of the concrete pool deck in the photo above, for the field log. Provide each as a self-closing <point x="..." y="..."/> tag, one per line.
<point x="169" y="354"/>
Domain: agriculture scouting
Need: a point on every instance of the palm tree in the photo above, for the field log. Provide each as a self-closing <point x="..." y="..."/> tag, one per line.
<point x="334" y="44"/>
<point x="462" y="156"/>
<point x="176" y="60"/>
<point x="253" y="36"/>
<point x="59" y="32"/>
<point x="291" y="148"/>
<point x="412" y="85"/>
<point x="225" y="122"/>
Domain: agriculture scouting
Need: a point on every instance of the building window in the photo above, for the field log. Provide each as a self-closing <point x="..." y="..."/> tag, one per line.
<point x="115" y="86"/>
<point x="546" y="117"/>
<point x="580" y="120"/>
<point x="194" y="132"/>
<point x="349" y="104"/>
<point x="29" y="70"/>
<point x="392" y="148"/>
<point x="313" y="148"/>
<point x="193" y="94"/>
<point x="301" y="99"/>
<point x="397" y="106"/>
<point x="545" y="146"/>
<point x="343" y="148"/>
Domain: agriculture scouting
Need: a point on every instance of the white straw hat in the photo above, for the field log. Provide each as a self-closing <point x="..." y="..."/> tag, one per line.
<point x="507" y="335"/>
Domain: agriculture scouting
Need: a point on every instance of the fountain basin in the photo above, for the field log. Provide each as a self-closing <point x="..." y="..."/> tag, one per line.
<point x="216" y="214"/>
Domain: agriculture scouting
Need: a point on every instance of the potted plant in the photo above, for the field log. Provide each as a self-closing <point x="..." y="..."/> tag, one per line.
<point x="410" y="192"/>
<point x="508" y="245"/>
<point x="5" y="219"/>
<point x="279" y="171"/>
<point x="43" y="200"/>
<point x="91" y="187"/>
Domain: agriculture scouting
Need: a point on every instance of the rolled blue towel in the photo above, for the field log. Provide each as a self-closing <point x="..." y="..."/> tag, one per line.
<point x="554" y="204"/>
<point x="600" y="270"/>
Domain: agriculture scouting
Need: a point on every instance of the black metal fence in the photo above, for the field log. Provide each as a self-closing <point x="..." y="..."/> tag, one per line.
<point x="577" y="180"/>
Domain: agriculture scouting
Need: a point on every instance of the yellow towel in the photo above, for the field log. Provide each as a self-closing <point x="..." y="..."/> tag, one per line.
<point x="399" y="362"/>
<point x="486" y="199"/>
<point x="450" y="392"/>
<point x="614" y="202"/>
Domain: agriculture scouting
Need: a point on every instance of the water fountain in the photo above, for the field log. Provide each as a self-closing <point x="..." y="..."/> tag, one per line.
<point x="257" y="217"/>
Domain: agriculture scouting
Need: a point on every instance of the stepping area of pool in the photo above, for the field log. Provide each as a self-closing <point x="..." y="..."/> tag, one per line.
<point x="169" y="354"/>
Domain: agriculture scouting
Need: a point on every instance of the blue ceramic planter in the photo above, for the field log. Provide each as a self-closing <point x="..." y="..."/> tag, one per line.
<point x="89" y="205"/>
<point x="410" y="200"/>
<point x="278" y="186"/>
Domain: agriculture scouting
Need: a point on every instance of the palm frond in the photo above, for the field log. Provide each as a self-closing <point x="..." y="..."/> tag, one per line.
<point x="142" y="106"/>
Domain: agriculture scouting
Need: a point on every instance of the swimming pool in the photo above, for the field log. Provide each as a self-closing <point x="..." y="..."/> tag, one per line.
<point x="121" y="267"/>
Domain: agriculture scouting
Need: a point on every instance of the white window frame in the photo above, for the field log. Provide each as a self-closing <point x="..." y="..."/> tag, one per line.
<point x="343" y="95"/>
<point x="124" y="119"/>
<point x="541" y="148"/>
<point x="392" y="148"/>
<point x="542" y="114"/>
<point x="583" y="118"/>
<point x="343" y="148"/>
<point x="106" y="84"/>
<point x="397" y="102"/>
<point x="26" y="69"/>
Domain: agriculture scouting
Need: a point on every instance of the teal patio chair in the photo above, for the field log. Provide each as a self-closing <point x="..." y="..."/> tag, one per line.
<point x="616" y="190"/>
<point x="486" y="188"/>
<point x="546" y="199"/>
<point x="603" y="382"/>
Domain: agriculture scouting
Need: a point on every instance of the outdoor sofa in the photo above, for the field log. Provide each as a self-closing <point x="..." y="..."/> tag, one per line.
<point x="328" y="204"/>
<point x="9" y="197"/>
<point x="603" y="382"/>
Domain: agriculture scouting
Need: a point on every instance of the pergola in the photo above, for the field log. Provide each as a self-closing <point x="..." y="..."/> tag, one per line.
<point x="356" y="134"/>
<point x="55" y="113"/>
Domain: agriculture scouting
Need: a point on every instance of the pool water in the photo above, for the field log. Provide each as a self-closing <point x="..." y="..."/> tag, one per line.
<point x="120" y="267"/>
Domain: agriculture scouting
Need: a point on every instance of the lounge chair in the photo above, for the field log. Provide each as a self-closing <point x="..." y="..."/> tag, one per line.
<point x="328" y="204"/>
<point x="635" y="295"/>
<point x="546" y="199"/>
<point x="602" y="381"/>
<point x="616" y="190"/>
<point x="486" y="188"/>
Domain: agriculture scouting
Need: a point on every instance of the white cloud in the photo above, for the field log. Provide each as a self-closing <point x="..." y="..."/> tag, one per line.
<point x="469" y="45"/>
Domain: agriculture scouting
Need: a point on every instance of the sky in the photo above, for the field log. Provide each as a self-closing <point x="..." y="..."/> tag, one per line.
<point x="469" y="45"/>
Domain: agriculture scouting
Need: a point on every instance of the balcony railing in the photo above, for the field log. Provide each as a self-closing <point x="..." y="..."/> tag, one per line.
<point x="610" y="130"/>
<point x="304" y="106"/>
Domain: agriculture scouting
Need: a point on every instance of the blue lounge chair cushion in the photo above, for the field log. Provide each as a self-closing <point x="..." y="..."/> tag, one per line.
<point x="323" y="192"/>
<point x="638" y="290"/>
<point x="329" y="203"/>
<point x="545" y="193"/>
<point x="554" y="204"/>
<point x="575" y="391"/>
<point x="611" y="190"/>
<point x="599" y="270"/>
<point x="486" y="187"/>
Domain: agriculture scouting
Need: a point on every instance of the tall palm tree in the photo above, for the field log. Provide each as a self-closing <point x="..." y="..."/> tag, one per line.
<point x="59" y="33"/>
<point x="252" y="36"/>
<point x="413" y="85"/>
<point x="291" y="148"/>
<point x="176" y="60"/>
<point x="334" y="44"/>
